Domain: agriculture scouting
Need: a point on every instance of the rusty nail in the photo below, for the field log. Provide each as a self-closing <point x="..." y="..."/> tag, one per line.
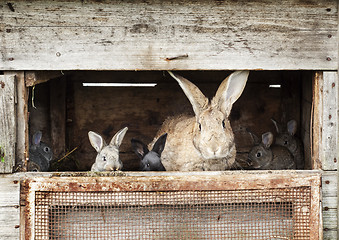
<point x="328" y="9"/>
<point x="10" y="59"/>
<point x="329" y="116"/>
<point x="325" y="229"/>
<point x="327" y="182"/>
<point x="329" y="35"/>
<point x="177" y="57"/>
<point x="326" y="208"/>
<point x="10" y="6"/>
<point x="8" y="30"/>
<point x="58" y="54"/>
<point x="328" y="59"/>
<point x="335" y="160"/>
<point x="15" y="181"/>
<point x="333" y="85"/>
<point x="16" y="206"/>
<point x="2" y="84"/>
<point x="17" y="226"/>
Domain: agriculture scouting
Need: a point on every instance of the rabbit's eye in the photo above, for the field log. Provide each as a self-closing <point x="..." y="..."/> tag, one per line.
<point x="147" y="165"/>
<point x="223" y="124"/>
<point x="199" y="126"/>
<point x="258" y="154"/>
<point x="286" y="142"/>
<point x="46" y="149"/>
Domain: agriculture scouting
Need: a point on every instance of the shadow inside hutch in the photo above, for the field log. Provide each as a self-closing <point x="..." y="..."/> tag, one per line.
<point x="65" y="109"/>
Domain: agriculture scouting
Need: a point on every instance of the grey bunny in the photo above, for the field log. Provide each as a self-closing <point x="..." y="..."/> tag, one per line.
<point x="266" y="156"/>
<point x="40" y="154"/>
<point x="150" y="160"/>
<point x="290" y="141"/>
<point x="107" y="158"/>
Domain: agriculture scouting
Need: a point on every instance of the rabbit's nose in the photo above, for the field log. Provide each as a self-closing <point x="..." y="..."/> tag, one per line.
<point x="249" y="162"/>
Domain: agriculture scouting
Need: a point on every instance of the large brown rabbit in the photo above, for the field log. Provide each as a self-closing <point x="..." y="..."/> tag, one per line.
<point x="204" y="142"/>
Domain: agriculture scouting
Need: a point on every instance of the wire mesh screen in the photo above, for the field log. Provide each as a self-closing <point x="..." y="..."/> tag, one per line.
<point x="232" y="214"/>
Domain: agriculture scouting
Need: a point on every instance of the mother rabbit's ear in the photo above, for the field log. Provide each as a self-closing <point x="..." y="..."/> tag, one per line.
<point x="193" y="93"/>
<point x="230" y="90"/>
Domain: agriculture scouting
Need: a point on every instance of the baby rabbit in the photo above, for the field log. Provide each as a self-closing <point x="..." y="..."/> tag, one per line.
<point x="290" y="141"/>
<point x="150" y="160"/>
<point x="40" y="154"/>
<point x="266" y="156"/>
<point x="204" y="142"/>
<point x="107" y="158"/>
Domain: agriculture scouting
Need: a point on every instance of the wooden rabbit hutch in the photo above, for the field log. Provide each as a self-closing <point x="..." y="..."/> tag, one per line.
<point x="52" y="50"/>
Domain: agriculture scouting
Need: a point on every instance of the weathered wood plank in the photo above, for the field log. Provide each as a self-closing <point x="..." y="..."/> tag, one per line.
<point x="330" y="219"/>
<point x="329" y="144"/>
<point x="7" y="123"/>
<point x="9" y="223"/>
<point x="9" y="206"/>
<point x="9" y="190"/>
<point x="36" y="77"/>
<point x="58" y="117"/>
<point x="120" y="35"/>
<point x="330" y="235"/>
<point x="329" y="184"/>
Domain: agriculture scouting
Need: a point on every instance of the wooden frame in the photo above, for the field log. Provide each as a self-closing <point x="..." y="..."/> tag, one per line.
<point x="171" y="181"/>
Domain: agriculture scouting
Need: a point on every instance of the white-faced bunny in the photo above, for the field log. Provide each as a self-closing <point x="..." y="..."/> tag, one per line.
<point x="288" y="139"/>
<point x="266" y="156"/>
<point x="107" y="158"/>
<point x="150" y="160"/>
<point x="40" y="154"/>
<point x="204" y="142"/>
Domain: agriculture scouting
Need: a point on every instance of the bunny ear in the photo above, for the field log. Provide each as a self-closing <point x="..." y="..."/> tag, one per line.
<point x="277" y="125"/>
<point x="193" y="93"/>
<point x="37" y="138"/>
<point x="292" y="127"/>
<point x="159" y="145"/>
<point x="267" y="139"/>
<point x="230" y="90"/>
<point x="139" y="148"/>
<point x="118" y="137"/>
<point x="254" y="137"/>
<point x="96" y="141"/>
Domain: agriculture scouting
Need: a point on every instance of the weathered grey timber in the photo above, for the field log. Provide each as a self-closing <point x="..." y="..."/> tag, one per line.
<point x="7" y="123"/>
<point x="161" y="35"/>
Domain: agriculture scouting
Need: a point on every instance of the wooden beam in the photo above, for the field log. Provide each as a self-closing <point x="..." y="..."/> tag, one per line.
<point x="153" y="35"/>
<point x="36" y="77"/>
<point x="9" y="207"/>
<point x="7" y="123"/>
<point x="58" y="117"/>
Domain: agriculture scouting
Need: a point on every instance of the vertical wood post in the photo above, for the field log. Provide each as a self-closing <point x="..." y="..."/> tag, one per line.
<point x="7" y="123"/>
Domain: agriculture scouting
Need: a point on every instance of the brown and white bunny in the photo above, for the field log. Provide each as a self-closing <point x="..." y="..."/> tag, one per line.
<point x="288" y="139"/>
<point x="107" y="158"/>
<point x="265" y="156"/>
<point x="204" y="142"/>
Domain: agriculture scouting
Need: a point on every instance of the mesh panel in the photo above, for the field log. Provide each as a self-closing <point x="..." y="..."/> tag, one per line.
<point x="243" y="214"/>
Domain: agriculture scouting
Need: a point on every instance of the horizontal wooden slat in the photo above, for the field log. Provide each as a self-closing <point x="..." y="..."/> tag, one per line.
<point x="132" y="35"/>
<point x="330" y="235"/>
<point x="329" y="184"/>
<point x="9" y="223"/>
<point x="9" y="190"/>
<point x="330" y="219"/>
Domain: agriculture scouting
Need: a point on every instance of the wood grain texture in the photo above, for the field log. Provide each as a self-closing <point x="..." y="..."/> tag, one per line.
<point x="130" y="35"/>
<point x="329" y="145"/>
<point x="9" y="223"/>
<point x="7" y="123"/>
<point x="9" y="206"/>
